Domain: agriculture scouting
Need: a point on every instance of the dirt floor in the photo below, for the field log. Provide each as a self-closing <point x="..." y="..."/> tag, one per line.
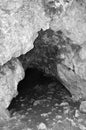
<point x="45" y="107"/>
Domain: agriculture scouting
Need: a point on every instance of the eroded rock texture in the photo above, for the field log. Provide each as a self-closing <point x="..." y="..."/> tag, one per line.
<point x="52" y="51"/>
<point x="60" y="53"/>
<point x="70" y="17"/>
<point x="19" y="23"/>
<point x="43" y="55"/>
<point x="10" y="74"/>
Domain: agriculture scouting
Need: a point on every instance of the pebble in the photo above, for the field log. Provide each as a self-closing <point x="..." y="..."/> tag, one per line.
<point x="56" y="105"/>
<point x="77" y="114"/>
<point x="80" y="120"/>
<point x="66" y="111"/>
<point x="83" y="106"/>
<point x="44" y="114"/>
<point x="59" y="117"/>
<point x="64" y="104"/>
<point x="42" y="126"/>
<point x="36" y="103"/>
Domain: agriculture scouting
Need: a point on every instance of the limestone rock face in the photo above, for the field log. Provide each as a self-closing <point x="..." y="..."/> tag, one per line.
<point x="19" y="23"/>
<point x="10" y="74"/>
<point x="72" y="72"/>
<point x="72" y="21"/>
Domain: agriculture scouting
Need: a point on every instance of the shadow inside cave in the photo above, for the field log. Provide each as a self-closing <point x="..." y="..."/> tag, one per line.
<point x="36" y="85"/>
<point x="41" y="98"/>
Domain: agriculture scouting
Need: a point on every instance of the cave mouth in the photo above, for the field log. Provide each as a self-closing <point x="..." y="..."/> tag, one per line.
<point x="36" y="85"/>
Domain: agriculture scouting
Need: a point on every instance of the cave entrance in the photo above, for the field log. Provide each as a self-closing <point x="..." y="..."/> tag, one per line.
<point x="41" y="96"/>
<point x="37" y="87"/>
<point x="40" y="93"/>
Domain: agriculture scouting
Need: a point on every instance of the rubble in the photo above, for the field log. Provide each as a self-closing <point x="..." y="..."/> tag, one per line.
<point x="42" y="126"/>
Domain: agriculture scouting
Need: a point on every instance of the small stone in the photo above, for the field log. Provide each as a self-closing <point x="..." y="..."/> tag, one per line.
<point x="80" y="120"/>
<point x="36" y="103"/>
<point x="42" y="126"/>
<point x="44" y="114"/>
<point x="58" y="117"/>
<point x="77" y="114"/>
<point x="56" y="105"/>
<point x="64" y="104"/>
<point x="66" y="111"/>
<point x="83" y="106"/>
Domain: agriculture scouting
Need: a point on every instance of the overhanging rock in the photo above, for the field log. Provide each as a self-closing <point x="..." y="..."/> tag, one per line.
<point x="19" y="26"/>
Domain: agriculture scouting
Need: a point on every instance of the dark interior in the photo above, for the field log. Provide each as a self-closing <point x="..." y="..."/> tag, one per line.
<point x="41" y="95"/>
<point x="34" y="77"/>
<point x="39" y="100"/>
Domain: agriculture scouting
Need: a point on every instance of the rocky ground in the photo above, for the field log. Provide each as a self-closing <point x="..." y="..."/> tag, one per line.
<point x="46" y="105"/>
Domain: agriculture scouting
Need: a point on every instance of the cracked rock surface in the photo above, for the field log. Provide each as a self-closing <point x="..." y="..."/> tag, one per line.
<point x="61" y="53"/>
<point x="19" y="23"/>
<point x="56" y="55"/>
<point x="10" y="74"/>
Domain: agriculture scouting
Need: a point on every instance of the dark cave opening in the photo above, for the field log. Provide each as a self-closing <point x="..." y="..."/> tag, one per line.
<point x="41" y="99"/>
<point x="33" y="77"/>
<point x="41" y="82"/>
<point x="37" y="85"/>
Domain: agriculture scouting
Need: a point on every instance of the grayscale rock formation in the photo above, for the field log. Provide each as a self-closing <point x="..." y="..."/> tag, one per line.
<point x="10" y="75"/>
<point x="62" y="55"/>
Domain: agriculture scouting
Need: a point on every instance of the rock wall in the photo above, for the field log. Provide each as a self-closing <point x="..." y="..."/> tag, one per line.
<point x="20" y="22"/>
<point x="72" y="22"/>
<point x="10" y="75"/>
<point x="19" y="25"/>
